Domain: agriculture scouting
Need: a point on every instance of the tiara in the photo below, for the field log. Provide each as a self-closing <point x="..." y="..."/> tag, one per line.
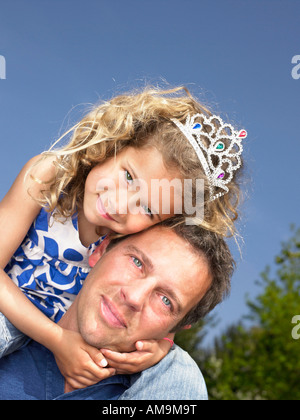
<point x="218" y="147"/>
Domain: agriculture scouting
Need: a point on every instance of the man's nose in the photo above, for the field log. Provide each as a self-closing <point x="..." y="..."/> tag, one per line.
<point x="137" y="294"/>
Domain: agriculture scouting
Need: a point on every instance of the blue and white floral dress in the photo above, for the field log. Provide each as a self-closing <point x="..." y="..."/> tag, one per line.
<point x="51" y="264"/>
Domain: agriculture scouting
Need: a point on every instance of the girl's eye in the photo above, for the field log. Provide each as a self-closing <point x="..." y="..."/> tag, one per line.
<point x="137" y="262"/>
<point x="166" y="301"/>
<point x="147" y="211"/>
<point x="128" y="176"/>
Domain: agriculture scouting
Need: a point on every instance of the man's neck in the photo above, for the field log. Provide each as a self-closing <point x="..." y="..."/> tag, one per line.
<point x="69" y="320"/>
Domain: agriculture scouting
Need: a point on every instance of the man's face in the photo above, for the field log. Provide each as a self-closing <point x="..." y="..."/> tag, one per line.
<point x="140" y="290"/>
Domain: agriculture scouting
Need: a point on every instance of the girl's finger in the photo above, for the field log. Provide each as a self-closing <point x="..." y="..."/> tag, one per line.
<point x="96" y="371"/>
<point x="83" y="381"/>
<point x="99" y="376"/>
<point x="146" y="345"/>
<point x="96" y="356"/>
<point x="99" y="359"/>
<point x="113" y="356"/>
<point x="130" y="360"/>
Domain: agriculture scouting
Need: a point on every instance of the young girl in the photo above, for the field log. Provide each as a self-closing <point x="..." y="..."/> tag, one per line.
<point x="60" y="208"/>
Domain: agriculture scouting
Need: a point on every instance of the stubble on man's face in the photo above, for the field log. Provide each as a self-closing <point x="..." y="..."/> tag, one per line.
<point x="140" y="290"/>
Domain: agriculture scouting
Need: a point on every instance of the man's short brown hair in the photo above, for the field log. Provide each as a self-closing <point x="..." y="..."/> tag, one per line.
<point x="221" y="264"/>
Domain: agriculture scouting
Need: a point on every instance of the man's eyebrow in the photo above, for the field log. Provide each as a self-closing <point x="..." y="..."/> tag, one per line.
<point x="145" y="258"/>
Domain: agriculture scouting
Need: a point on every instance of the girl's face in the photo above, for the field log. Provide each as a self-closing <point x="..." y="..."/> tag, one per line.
<point x="123" y="195"/>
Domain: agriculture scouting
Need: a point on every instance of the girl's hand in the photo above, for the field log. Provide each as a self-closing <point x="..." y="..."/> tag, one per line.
<point x="81" y="364"/>
<point x="148" y="354"/>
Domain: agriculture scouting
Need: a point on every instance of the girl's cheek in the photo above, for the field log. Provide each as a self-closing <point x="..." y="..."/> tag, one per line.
<point x="137" y="223"/>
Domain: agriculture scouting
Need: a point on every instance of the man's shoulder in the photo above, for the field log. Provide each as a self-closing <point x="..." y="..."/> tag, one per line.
<point x="176" y="377"/>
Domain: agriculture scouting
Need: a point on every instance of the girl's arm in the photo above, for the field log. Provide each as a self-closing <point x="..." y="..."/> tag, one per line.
<point x="18" y="210"/>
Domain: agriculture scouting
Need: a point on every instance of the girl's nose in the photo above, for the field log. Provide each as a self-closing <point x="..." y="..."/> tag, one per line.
<point x="123" y="201"/>
<point x="117" y="206"/>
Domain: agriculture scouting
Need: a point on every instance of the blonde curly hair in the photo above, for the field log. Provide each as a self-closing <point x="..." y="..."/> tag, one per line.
<point x="137" y="119"/>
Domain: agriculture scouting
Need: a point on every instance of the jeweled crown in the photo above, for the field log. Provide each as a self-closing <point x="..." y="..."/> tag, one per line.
<point x="218" y="146"/>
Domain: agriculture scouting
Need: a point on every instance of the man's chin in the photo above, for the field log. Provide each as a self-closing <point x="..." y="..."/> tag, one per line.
<point x="120" y="348"/>
<point x="108" y="344"/>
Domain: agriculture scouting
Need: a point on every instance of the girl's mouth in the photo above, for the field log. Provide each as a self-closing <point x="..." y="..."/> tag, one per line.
<point x="102" y="210"/>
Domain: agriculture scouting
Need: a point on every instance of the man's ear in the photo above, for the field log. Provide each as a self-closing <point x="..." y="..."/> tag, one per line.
<point x="99" y="251"/>
<point x="187" y="327"/>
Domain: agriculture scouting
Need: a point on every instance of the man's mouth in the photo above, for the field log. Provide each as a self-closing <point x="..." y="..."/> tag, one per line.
<point x="102" y="210"/>
<point x="111" y="314"/>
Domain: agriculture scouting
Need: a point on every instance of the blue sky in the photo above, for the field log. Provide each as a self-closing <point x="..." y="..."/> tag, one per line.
<point x="235" y="55"/>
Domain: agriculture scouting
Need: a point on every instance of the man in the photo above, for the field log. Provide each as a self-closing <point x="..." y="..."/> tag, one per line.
<point x="143" y="287"/>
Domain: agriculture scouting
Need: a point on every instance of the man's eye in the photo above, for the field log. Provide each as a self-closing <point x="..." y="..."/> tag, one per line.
<point x="128" y="177"/>
<point x="166" y="301"/>
<point x="137" y="262"/>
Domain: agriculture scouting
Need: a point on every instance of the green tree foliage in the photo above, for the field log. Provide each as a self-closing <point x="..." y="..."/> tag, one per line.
<point x="191" y="340"/>
<point x="262" y="361"/>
